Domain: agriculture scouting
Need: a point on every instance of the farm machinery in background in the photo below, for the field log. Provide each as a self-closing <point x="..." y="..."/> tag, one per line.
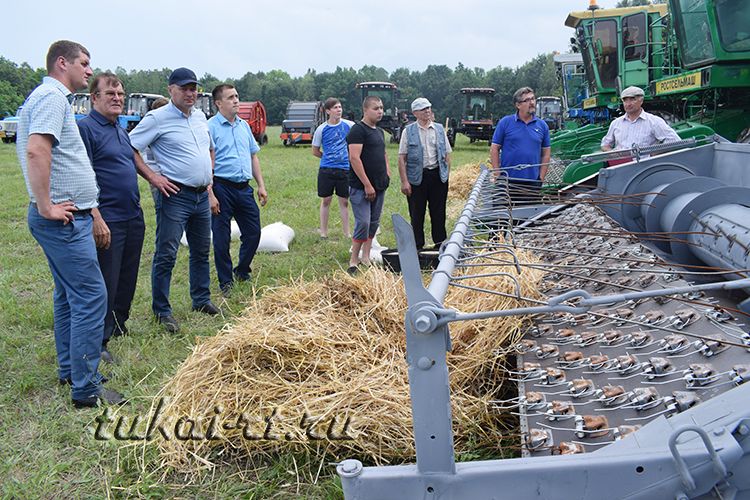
<point x="691" y="58"/>
<point x="9" y="127"/>
<point x="205" y="103"/>
<point x="549" y="109"/>
<point x="81" y="104"/>
<point x="302" y="118"/>
<point x="477" y="122"/>
<point x="254" y="113"/>
<point x="138" y="105"/>
<point x="394" y="120"/>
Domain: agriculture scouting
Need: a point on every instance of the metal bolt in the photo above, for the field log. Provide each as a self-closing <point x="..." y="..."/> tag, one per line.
<point x="425" y="363"/>
<point x="350" y="468"/>
<point x="422" y="323"/>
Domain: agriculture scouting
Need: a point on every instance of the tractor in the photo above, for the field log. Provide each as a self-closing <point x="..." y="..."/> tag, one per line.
<point x="549" y="109"/>
<point x="476" y="122"/>
<point x="81" y="104"/>
<point x="138" y="105"/>
<point x="393" y="120"/>
<point x="205" y="103"/>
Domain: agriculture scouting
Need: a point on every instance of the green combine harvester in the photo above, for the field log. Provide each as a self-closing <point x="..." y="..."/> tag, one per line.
<point x="691" y="58"/>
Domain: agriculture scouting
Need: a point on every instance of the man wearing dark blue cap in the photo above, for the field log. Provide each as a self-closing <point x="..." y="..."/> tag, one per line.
<point x="180" y="141"/>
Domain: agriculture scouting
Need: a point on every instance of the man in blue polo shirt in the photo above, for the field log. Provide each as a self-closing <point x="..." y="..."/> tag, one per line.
<point x="236" y="165"/>
<point x="179" y="139"/>
<point x="525" y="144"/>
<point x="118" y="222"/>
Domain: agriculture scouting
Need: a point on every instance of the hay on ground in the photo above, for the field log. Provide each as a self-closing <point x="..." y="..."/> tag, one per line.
<point x="462" y="181"/>
<point x="311" y="355"/>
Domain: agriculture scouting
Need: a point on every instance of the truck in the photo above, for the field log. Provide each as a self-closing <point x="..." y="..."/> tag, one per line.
<point x="9" y="127"/>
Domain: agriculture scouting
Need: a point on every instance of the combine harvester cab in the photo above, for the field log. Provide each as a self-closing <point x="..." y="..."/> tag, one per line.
<point x="254" y="113"/>
<point x="477" y="122"/>
<point x="692" y="60"/>
<point x="394" y="120"/>
<point x="302" y="118"/>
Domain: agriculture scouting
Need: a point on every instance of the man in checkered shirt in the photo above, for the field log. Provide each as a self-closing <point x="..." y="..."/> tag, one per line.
<point x="63" y="191"/>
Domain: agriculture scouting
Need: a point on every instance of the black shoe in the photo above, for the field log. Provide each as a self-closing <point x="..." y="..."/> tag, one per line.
<point x="169" y="323"/>
<point x="226" y="289"/>
<point x="105" y="396"/>
<point x="352" y="270"/>
<point x="107" y="357"/>
<point x="243" y="277"/>
<point x="208" y="308"/>
<point x="119" y="330"/>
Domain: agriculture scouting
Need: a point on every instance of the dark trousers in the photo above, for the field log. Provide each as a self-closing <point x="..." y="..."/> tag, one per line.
<point x="119" y="264"/>
<point x="240" y="204"/>
<point x="433" y="192"/>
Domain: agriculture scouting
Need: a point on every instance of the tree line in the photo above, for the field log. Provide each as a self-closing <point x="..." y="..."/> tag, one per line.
<point x="438" y="83"/>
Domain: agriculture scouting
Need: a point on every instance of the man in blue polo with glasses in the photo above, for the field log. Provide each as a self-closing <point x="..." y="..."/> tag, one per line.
<point x="179" y="139"/>
<point x="525" y="144"/>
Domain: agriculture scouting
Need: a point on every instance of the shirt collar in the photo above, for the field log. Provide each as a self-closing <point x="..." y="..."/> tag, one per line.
<point x="518" y="118"/>
<point x="175" y="110"/>
<point x="223" y="120"/>
<point x="49" y="80"/>
<point x="100" y="118"/>
<point x="429" y="125"/>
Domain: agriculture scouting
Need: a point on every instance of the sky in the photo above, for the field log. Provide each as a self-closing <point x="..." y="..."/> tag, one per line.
<point x="228" y="38"/>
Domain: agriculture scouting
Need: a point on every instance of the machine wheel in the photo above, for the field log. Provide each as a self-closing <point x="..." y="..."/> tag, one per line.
<point x="451" y="137"/>
<point x="287" y="143"/>
<point x="6" y="140"/>
<point x="264" y="140"/>
<point x="744" y="137"/>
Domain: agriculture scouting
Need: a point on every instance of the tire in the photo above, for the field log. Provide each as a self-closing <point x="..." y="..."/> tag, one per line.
<point x="264" y="140"/>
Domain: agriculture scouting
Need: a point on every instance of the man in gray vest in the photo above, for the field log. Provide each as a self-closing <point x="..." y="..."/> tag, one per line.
<point x="424" y="160"/>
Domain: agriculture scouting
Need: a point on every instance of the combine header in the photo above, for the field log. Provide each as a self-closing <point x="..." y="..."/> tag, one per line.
<point x="629" y="378"/>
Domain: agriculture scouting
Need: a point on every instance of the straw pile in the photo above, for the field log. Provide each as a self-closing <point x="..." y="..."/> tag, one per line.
<point x="462" y="181"/>
<point x="312" y="353"/>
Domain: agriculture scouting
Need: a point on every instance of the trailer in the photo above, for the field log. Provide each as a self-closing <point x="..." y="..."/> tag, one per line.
<point x="254" y="113"/>
<point x="302" y="118"/>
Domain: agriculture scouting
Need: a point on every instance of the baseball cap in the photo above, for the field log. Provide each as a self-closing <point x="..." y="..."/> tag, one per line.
<point x="632" y="92"/>
<point x="420" y="103"/>
<point x="182" y="76"/>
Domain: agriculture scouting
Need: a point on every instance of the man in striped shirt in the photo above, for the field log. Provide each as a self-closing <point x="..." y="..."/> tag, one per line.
<point x="636" y="127"/>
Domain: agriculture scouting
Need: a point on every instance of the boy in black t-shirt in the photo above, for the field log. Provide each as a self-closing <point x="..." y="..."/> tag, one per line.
<point x="369" y="177"/>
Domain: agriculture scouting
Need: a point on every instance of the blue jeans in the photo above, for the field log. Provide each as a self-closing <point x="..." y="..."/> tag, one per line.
<point x="240" y="204"/>
<point x="119" y="264"/>
<point x="80" y="298"/>
<point x="185" y="211"/>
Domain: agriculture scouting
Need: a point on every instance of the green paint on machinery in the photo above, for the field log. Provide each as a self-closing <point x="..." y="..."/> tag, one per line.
<point x="691" y="57"/>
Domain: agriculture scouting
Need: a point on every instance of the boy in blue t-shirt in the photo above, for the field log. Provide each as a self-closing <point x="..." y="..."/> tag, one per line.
<point x="329" y="144"/>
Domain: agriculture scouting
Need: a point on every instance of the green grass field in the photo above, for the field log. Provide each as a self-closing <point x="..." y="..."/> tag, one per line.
<point x="47" y="448"/>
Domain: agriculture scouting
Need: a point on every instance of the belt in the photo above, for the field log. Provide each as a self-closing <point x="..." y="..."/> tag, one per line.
<point x="196" y="189"/>
<point x="76" y="213"/>
<point x="235" y="185"/>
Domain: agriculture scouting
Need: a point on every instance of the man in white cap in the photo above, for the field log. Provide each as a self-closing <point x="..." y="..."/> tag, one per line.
<point x="636" y="127"/>
<point x="424" y="160"/>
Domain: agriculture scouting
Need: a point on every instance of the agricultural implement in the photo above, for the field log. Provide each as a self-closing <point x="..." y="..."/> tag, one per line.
<point x="302" y="118"/>
<point x="254" y="113"/>
<point x="629" y="378"/>
<point x="476" y="121"/>
<point x="205" y="103"/>
<point x="549" y="109"/>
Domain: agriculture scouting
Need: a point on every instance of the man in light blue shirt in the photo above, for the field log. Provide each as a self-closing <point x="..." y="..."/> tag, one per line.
<point x="63" y="191"/>
<point x="236" y="165"/>
<point x="179" y="139"/>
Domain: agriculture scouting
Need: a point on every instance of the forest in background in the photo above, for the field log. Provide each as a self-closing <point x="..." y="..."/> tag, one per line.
<point x="439" y="83"/>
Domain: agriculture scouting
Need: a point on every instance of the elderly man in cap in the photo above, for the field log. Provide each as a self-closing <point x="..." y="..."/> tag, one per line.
<point x="636" y="127"/>
<point x="424" y="160"/>
<point x="180" y="141"/>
